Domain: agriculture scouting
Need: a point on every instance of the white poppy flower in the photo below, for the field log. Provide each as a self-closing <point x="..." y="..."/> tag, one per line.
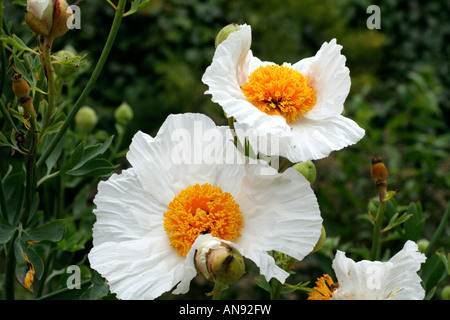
<point x="188" y="185"/>
<point x="299" y="105"/>
<point x="396" y="279"/>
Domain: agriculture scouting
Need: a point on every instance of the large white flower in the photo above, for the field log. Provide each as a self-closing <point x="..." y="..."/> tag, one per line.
<point x="396" y="279"/>
<point x="299" y="105"/>
<point x="186" y="185"/>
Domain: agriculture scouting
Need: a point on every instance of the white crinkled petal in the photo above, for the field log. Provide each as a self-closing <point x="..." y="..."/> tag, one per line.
<point x="188" y="149"/>
<point x="280" y="212"/>
<point x="329" y="77"/>
<point x="131" y="249"/>
<point x="375" y="280"/>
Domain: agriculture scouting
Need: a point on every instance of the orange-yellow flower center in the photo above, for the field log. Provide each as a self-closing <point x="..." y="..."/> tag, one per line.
<point x="201" y="209"/>
<point x="324" y="288"/>
<point x="280" y="90"/>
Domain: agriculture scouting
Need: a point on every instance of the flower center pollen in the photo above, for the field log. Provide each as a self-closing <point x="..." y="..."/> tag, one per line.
<point x="201" y="209"/>
<point x="280" y="90"/>
<point x="324" y="288"/>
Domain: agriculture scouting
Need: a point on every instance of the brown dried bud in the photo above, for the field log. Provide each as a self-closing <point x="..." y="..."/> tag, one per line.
<point x="19" y="86"/>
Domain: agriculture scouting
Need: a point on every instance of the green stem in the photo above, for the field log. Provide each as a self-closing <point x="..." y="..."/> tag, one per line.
<point x="3" y="59"/>
<point x="376" y="240"/>
<point x="50" y="73"/>
<point x="30" y="186"/>
<point x="217" y="291"/>
<point x="276" y="289"/>
<point x="438" y="231"/>
<point x="89" y="86"/>
<point x="10" y="269"/>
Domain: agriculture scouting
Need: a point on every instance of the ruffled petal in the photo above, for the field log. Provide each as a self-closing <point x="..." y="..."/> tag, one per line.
<point x="375" y="280"/>
<point x="329" y="77"/>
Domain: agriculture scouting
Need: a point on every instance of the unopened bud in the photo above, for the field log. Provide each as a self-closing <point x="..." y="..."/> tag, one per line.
<point x="39" y="16"/>
<point x="379" y="171"/>
<point x="61" y="15"/>
<point x="379" y="174"/>
<point x="86" y="119"/>
<point x="307" y="169"/>
<point x="19" y="86"/>
<point x="422" y="245"/>
<point x="225" y="32"/>
<point x="63" y="67"/>
<point x="219" y="262"/>
<point x="124" y="113"/>
<point x="445" y="294"/>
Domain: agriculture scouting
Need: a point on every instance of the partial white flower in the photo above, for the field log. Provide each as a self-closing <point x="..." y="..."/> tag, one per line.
<point x="299" y="105"/>
<point x="188" y="185"/>
<point x="396" y="279"/>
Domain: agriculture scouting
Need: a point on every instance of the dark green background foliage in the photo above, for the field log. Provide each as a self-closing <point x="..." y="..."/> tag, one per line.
<point x="399" y="95"/>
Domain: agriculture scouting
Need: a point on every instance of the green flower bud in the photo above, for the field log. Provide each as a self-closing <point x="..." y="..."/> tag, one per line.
<point x="63" y="67"/>
<point x="39" y="16"/>
<point x="423" y="244"/>
<point x="124" y="113"/>
<point x="321" y="242"/>
<point x="307" y="169"/>
<point x="445" y="293"/>
<point x="86" y="119"/>
<point x="219" y="262"/>
<point x="225" y="32"/>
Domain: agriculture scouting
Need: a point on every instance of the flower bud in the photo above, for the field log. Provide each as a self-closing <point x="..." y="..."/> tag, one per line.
<point x="379" y="174"/>
<point x="423" y="244"/>
<point x="307" y="169"/>
<point x="39" y="16"/>
<point x="86" y="119"/>
<point x="19" y="86"/>
<point x="124" y="113"/>
<point x="62" y="67"/>
<point x="219" y="262"/>
<point x="225" y="32"/>
<point x="379" y="171"/>
<point x="61" y="15"/>
<point x="445" y="293"/>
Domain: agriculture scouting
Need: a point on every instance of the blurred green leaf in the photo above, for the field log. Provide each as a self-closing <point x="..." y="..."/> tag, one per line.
<point x="413" y="227"/>
<point x="94" y="168"/>
<point x="6" y="231"/>
<point x="52" y="231"/>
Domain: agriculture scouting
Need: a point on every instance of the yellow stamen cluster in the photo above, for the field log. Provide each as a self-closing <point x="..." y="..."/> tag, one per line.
<point x="324" y="288"/>
<point x="280" y="90"/>
<point x="201" y="209"/>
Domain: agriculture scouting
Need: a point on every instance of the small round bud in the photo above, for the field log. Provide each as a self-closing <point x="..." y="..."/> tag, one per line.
<point x="61" y="15"/>
<point x="219" y="262"/>
<point x="423" y="244"/>
<point x="225" y="32"/>
<point x="445" y="293"/>
<point x="321" y="242"/>
<point x="63" y="69"/>
<point x="124" y="113"/>
<point x="307" y="169"/>
<point x="39" y="16"/>
<point x="379" y="171"/>
<point x="86" y="119"/>
<point x="19" y="86"/>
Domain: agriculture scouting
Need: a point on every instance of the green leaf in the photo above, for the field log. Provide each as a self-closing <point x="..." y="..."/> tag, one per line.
<point x="135" y="6"/>
<point x="413" y="227"/>
<point x="6" y="231"/>
<point x="17" y="43"/>
<point x="93" y="152"/>
<point x="74" y="158"/>
<point x="52" y="231"/>
<point x="14" y="188"/>
<point x="394" y="221"/>
<point x="433" y="272"/>
<point x="94" y="168"/>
